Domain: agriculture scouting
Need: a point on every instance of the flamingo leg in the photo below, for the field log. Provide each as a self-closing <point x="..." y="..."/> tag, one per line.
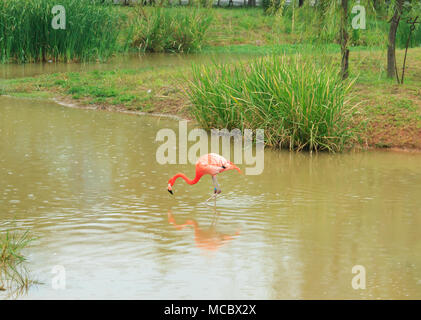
<point x="215" y="218"/>
<point x="217" y="189"/>
<point x="212" y="197"/>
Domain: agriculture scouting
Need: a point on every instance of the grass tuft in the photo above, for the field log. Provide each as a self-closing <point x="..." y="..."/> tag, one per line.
<point x="298" y="104"/>
<point x="171" y="29"/>
<point x="13" y="275"/>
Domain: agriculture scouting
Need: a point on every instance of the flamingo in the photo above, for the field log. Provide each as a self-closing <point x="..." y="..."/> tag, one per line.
<point x="211" y="164"/>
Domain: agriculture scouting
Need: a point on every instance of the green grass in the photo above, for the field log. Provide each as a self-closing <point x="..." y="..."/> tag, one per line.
<point x="280" y="49"/>
<point x="170" y="29"/>
<point x="145" y="89"/>
<point x="244" y="26"/>
<point x="13" y="275"/>
<point x="299" y="104"/>
<point x="26" y="34"/>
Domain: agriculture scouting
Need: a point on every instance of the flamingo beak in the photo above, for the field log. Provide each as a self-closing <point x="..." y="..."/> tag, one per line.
<point x="170" y="189"/>
<point x="235" y="168"/>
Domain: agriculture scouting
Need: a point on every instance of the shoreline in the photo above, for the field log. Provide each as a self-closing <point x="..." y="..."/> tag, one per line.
<point x="63" y="102"/>
<point x="96" y="107"/>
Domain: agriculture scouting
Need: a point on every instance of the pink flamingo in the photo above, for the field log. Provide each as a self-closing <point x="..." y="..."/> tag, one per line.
<point x="212" y="164"/>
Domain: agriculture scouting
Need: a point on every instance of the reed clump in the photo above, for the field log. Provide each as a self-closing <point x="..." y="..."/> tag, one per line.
<point x="173" y="29"/>
<point x="13" y="274"/>
<point x="27" y="35"/>
<point x="298" y="104"/>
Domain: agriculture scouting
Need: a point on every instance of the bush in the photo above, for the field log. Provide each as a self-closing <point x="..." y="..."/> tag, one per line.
<point x="26" y="34"/>
<point x="320" y="24"/>
<point x="299" y="105"/>
<point x="171" y="29"/>
<point x="404" y="29"/>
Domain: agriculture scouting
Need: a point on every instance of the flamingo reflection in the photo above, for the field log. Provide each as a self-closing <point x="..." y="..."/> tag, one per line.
<point x="207" y="239"/>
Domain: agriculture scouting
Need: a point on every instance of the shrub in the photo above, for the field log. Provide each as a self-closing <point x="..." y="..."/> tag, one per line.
<point x="404" y="29"/>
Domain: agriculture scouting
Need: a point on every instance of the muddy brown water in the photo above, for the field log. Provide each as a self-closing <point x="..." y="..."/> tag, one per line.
<point x="155" y="60"/>
<point x="88" y="187"/>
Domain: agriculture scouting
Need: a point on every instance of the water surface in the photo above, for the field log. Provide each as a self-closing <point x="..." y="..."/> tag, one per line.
<point x="87" y="185"/>
<point x="127" y="61"/>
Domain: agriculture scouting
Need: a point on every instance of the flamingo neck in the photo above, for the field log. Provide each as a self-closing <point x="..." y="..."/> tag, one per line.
<point x="182" y="175"/>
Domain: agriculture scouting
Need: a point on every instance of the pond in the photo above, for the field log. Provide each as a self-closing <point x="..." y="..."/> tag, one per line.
<point x="88" y="186"/>
<point x="131" y="60"/>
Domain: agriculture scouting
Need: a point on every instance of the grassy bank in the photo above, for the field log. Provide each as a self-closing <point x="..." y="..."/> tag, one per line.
<point x="387" y="114"/>
<point x="391" y="113"/>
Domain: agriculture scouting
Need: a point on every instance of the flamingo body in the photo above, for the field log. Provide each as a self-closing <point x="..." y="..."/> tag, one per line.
<point x="211" y="164"/>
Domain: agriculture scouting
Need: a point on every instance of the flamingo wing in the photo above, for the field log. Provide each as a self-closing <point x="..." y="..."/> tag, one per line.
<point x="213" y="164"/>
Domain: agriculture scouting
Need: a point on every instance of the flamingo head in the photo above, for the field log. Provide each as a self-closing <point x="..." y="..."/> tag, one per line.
<point x="232" y="166"/>
<point x="170" y="188"/>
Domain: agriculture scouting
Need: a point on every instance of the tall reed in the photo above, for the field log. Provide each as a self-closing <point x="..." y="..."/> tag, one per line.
<point x="171" y="29"/>
<point x="27" y="35"/>
<point x="298" y="104"/>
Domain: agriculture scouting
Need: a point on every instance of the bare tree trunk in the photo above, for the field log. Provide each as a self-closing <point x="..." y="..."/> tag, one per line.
<point x="344" y="40"/>
<point x="391" y="49"/>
